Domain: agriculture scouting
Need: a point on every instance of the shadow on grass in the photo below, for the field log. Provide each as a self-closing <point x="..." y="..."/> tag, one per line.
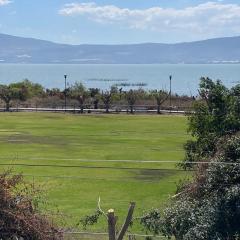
<point x="154" y="175"/>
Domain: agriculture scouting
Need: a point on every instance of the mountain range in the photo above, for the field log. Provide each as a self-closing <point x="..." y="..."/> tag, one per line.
<point x="28" y="50"/>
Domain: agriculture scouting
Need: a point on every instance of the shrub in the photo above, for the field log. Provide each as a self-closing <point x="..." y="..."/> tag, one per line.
<point x="19" y="215"/>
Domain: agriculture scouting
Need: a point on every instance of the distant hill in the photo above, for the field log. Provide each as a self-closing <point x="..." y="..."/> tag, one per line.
<point x="28" y="50"/>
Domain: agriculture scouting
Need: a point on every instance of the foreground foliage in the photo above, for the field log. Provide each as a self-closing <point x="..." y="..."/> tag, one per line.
<point x="19" y="216"/>
<point x="216" y="115"/>
<point x="208" y="207"/>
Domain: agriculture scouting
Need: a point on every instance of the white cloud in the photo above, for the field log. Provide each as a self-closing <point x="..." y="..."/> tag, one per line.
<point x="212" y="18"/>
<point x="24" y="56"/>
<point x="4" y="2"/>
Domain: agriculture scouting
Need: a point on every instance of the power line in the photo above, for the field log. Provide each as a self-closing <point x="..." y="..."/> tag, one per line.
<point x="125" y="145"/>
<point x="93" y="160"/>
<point x="86" y="167"/>
<point x="111" y="179"/>
<point x="106" y="234"/>
<point x="16" y="156"/>
<point x="119" y="161"/>
<point x="93" y="178"/>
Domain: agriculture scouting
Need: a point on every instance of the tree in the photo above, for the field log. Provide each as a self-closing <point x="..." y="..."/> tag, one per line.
<point x="7" y="95"/>
<point x="216" y="115"/>
<point x="11" y="92"/>
<point x="208" y="206"/>
<point x="19" y="91"/>
<point x="131" y="97"/>
<point x="95" y="96"/>
<point x="106" y="98"/>
<point x="54" y="92"/>
<point x="115" y="94"/>
<point x="160" y="96"/>
<point x="19" y="214"/>
<point x="80" y="93"/>
<point x="33" y="89"/>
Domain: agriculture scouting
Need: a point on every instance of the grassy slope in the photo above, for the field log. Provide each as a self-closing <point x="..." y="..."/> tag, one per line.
<point x="60" y="139"/>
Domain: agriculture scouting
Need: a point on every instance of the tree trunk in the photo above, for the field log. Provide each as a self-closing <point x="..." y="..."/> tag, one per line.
<point x="95" y="104"/>
<point x="111" y="225"/>
<point x="159" y="109"/>
<point x="131" y="109"/>
<point x="81" y="109"/>
<point x="7" y="106"/>
<point x="107" y="108"/>
<point x="81" y="103"/>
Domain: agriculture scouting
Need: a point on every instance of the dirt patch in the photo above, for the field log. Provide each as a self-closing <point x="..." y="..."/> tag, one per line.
<point x="30" y="139"/>
<point x="154" y="175"/>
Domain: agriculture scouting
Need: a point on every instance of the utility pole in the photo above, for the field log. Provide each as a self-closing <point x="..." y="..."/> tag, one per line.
<point x="65" y="92"/>
<point x="170" y="93"/>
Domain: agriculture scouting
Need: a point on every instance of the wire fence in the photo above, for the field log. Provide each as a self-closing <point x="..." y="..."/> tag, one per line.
<point x="117" y="161"/>
<point x="104" y="236"/>
<point x="122" y="168"/>
<point x="88" y="167"/>
<point x="151" y="109"/>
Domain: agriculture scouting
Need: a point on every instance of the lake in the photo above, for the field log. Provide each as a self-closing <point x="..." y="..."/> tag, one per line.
<point x="185" y="77"/>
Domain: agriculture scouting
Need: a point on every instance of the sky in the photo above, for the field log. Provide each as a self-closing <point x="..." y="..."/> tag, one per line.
<point x="120" y="21"/>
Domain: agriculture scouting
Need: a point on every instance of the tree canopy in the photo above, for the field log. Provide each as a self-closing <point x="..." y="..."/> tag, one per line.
<point x="217" y="114"/>
<point x="20" y="91"/>
<point x="207" y="207"/>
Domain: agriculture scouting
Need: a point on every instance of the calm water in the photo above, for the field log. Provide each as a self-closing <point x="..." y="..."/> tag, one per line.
<point x="185" y="77"/>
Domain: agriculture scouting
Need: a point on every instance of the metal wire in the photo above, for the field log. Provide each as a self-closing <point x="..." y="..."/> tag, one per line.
<point x="88" y="167"/>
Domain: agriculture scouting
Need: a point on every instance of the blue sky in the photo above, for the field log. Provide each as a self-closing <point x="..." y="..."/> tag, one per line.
<point x="120" y="21"/>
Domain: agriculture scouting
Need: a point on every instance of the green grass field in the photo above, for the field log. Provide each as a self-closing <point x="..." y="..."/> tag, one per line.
<point x="63" y="140"/>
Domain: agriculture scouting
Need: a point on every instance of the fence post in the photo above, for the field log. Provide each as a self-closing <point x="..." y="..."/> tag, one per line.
<point x="112" y="220"/>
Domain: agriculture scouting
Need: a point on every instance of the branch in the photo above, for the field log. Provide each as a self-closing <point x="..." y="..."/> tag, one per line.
<point x="165" y="99"/>
<point x="99" y="208"/>
<point x="179" y="194"/>
<point x="205" y="97"/>
<point x="127" y="221"/>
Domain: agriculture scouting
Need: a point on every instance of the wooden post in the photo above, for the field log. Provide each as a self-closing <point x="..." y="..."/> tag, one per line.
<point x="127" y="221"/>
<point x="111" y="224"/>
<point x="112" y="220"/>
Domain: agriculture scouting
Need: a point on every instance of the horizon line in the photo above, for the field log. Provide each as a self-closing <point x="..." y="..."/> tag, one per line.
<point x="119" y="44"/>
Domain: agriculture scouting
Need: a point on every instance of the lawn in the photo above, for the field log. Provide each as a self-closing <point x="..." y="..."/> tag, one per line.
<point x="58" y="141"/>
